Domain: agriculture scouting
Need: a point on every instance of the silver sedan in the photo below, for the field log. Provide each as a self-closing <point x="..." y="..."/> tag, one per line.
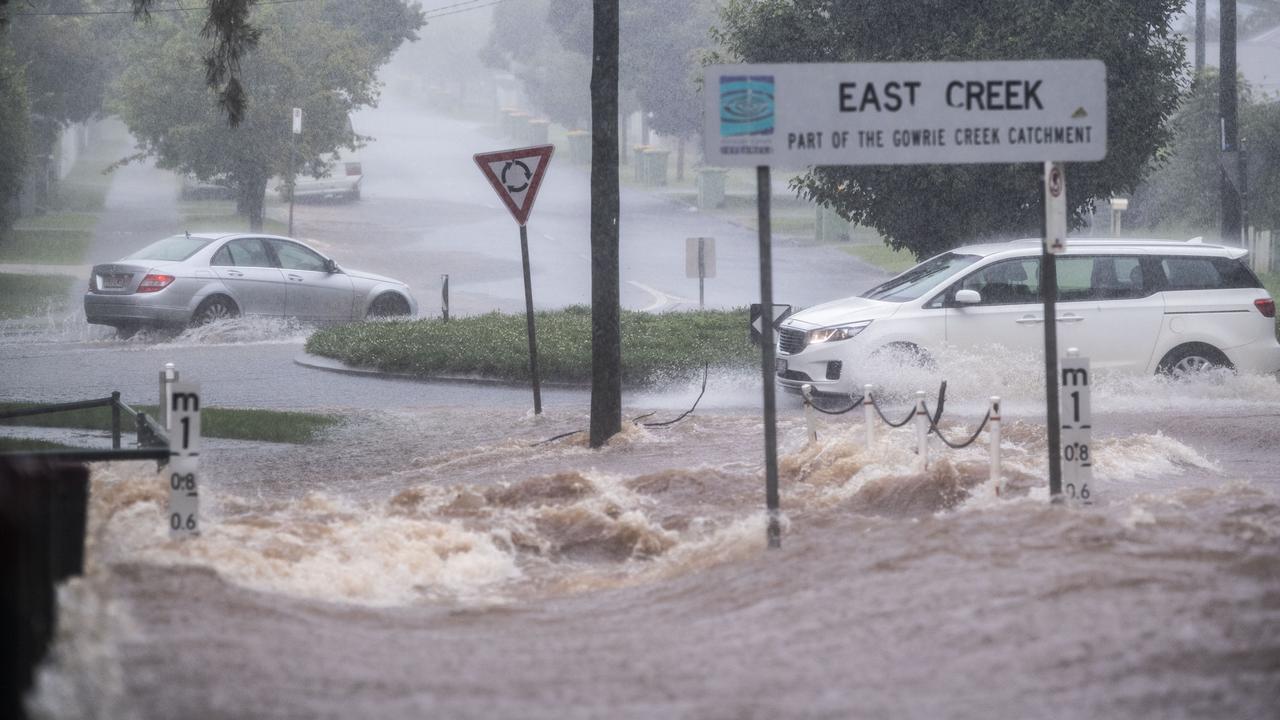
<point x="195" y="279"/>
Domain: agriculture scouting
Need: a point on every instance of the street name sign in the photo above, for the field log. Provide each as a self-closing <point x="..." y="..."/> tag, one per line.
<point x="516" y="175"/>
<point x="801" y="114"/>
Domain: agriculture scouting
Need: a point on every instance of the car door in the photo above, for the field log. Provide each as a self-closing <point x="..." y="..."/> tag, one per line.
<point x="314" y="293"/>
<point x="1119" y="314"/>
<point x="249" y="271"/>
<point x="1010" y="313"/>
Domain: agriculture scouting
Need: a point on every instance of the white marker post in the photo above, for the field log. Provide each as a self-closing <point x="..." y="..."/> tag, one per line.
<point x="297" y="130"/>
<point x="1077" y="428"/>
<point x="168" y="376"/>
<point x="700" y="262"/>
<point x="184" y="454"/>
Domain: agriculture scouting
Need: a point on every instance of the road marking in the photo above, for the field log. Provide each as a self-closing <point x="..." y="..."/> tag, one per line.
<point x="660" y="299"/>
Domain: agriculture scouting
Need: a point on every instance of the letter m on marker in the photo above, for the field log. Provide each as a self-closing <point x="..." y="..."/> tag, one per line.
<point x="185" y="401"/>
<point x="1075" y="377"/>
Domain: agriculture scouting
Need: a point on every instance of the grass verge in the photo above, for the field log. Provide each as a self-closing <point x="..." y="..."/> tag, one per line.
<point x="654" y="347"/>
<point x="23" y="295"/>
<point x="230" y="222"/>
<point x="11" y="444"/>
<point x="26" y="243"/>
<point x="882" y="256"/>
<point x="228" y="423"/>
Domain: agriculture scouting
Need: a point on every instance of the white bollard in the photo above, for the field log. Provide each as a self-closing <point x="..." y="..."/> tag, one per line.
<point x="922" y="429"/>
<point x="168" y="376"/>
<point x="869" y="413"/>
<point x="993" y="444"/>
<point x="809" y="420"/>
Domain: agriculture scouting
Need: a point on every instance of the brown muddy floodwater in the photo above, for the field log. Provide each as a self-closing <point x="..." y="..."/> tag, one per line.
<point x="444" y="566"/>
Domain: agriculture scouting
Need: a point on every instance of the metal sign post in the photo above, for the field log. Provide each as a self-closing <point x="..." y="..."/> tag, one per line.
<point x="768" y="359"/>
<point x="700" y="262"/>
<point x="516" y="175"/>
<point x="184" y="454"/>
<point x="1055" y="219"/>
<point x="444" y="296"/>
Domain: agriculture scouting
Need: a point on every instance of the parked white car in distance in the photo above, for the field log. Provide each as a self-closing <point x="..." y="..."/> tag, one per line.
<point x="1141" y="306"/>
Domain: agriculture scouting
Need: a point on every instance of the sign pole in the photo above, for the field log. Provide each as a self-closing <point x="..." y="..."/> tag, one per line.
<point x="528" y="315"/>
<point x="702" y="271"/>
<point x="1049" y="291"/>
<point x="767" y="359"/>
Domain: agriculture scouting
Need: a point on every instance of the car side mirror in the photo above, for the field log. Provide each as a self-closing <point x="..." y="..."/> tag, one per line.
<point x="330" y="266"/>
<point x="968" y="297"/>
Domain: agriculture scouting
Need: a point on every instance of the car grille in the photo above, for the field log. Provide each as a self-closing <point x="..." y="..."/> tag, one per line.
<point x="790" y="341"/>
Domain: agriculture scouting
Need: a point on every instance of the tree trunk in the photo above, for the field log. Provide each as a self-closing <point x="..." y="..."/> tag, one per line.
<point x="251" y="200"/>
<point x="680" y="160"/>
<point x="606" y="333"/>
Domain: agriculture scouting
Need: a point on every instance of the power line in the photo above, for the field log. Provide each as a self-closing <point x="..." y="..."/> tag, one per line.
<point x="180" y="8"/>
<point x="432" y="16"/>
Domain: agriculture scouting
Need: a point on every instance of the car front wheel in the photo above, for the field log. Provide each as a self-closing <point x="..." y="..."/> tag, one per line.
<point x="388" y="305"/>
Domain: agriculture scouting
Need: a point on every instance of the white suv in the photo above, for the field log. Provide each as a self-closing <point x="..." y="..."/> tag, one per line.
<point x="1135" y="305"/>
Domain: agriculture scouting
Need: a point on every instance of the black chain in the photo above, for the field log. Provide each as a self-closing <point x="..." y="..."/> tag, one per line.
<point x="933" y="427"/>
<point x="856" y="404"/>
<point x="889" y="422"/>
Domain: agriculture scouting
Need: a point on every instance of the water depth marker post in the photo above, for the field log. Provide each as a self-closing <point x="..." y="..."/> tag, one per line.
<point x="516" y="176"/>
<point x="801" y="115"/>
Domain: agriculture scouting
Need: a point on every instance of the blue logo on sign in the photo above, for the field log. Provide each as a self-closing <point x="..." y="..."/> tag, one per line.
<point x="746" y="105"/>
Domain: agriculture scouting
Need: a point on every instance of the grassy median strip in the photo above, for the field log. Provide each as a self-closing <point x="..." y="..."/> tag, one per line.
<point x="12" y="444"/>
<point x="655" y="347"/>
<point x="25" y="295"/>
<point x="228" y="423"/>
<point x="1272" y="282"/>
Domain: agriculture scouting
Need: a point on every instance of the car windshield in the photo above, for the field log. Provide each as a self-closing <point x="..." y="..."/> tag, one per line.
<point x="920" y="279"/>
<point x="176" y="248"/>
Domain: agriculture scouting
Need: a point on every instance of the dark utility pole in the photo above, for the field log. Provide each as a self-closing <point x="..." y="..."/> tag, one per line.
<point x="1230" y="176"/>
<point x="606" y="333"/>
<point x="1199" y="37"/>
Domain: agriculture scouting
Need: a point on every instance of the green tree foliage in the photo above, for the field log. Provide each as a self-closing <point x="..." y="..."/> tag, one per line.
<point x="15" y="130"/>
<point x="930" y="208"/>
<point x="661" y="45"/>
<point x="1181" y="191"/>
<point x="304" y="59"/>
<point x="525" y="42"/>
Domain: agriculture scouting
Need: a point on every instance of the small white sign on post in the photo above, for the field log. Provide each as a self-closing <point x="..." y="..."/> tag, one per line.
<point x="1055" y="207"/>
<point x="184" y="454"/>
<point x="1077" y="428"/>
<point x="297" y="121"/>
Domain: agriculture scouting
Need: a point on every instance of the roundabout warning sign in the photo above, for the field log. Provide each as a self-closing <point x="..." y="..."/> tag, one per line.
<point x="516" y="176"/>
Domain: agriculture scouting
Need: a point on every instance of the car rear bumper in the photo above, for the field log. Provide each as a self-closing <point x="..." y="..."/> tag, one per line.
<point x="133" y="309"/>
<point x="1262" y="356"/>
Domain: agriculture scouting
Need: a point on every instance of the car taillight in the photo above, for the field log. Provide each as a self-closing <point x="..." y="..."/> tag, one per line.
<point x="1266" y="306"/>
<point x="154" y="283"/>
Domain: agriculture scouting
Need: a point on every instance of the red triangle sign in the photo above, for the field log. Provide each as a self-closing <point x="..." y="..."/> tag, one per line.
<point x="516" y="176"/>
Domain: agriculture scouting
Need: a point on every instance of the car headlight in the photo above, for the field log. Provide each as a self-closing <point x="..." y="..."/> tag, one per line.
<point x="837" y="332"/>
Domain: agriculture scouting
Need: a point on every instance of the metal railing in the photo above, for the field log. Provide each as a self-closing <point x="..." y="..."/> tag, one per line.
<point x="152" y="439"/>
